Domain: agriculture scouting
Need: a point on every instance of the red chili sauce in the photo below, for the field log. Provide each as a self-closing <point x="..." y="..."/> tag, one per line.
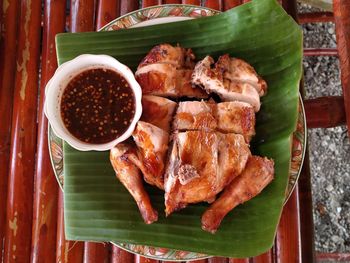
<point x="97" y="106"/>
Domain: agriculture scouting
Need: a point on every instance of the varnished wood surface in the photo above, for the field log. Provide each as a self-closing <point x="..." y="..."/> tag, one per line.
<point x="41" y="223"/>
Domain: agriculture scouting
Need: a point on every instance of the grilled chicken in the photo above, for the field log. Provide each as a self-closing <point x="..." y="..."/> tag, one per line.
<point x="152" y="144"/>
<point x="166" y="71"/>
<point x="256" y="176"/>
<point x="130" y="176"/>
<point x="195" y="115"/>
<point x="168" y="54"/>
<point x="158" y="111"/>
<point x="232" y="79"/>
<point x="237" y="117"/>
<point x="227" y="117"/>
<point x="200" y="165"/>
<point x="235" y="69"/>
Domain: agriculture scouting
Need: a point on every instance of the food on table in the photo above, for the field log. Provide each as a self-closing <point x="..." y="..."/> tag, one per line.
<point x="200" y="165"/>
<point x="152" y="147"/>
<point x="230" y="78"/>
<point x="200" y="149"/>
<point x="257" y="174"/>
<point x="158" y="111"/>
<point x="97" y="106"/>
<point x="233" y="116"/>
<point x="130" y="176"/>
<point x="166" y="71"/>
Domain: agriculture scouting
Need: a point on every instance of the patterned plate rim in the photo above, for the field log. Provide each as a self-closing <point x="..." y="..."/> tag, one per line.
<point x="299" y="136"/>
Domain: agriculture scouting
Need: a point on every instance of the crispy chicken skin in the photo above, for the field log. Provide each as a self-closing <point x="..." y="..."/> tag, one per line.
<point x="237" y="117"/>
<point x="235" y="69"/>
<point x="195" y="115"/>
<point x="232" y="79"/>
<point x="200" y="165"/>
<point x="158" y="79"/>
<point x="130" y="176"/>
<point x="257" y="174"/>
<point x="152" y="145"/>
<point x="167" y="71"/>
<point x="158" y="111"/>
<point x="168" y="54"/>
<point x="227" y="117"/>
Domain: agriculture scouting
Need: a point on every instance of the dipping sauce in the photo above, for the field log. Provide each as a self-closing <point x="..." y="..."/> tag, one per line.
<point x="97" y="106"/>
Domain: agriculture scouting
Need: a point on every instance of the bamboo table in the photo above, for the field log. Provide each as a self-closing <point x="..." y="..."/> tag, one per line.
<point x="31" y="208"/>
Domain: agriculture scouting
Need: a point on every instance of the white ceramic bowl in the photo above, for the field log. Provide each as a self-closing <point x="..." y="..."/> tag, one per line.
<point x="63" y="75"/>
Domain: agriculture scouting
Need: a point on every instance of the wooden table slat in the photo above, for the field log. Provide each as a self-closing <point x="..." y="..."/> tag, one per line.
<point x="228" y="4"/>
<point x="96" y="252"/>
<point x="23" y="136"/>
<point x="287" y="243"/>
<point x="238" y="260"/>
<point x="66" y="251"/>
<point x="217" y="260"/>
<point x="147" y="3"/>
<point x="119" y="255"/>
<point x="214" y="4"/>
<point x="341" y="11"/>
<point x="45" y="193"/>
<point x="171" y="1"/>
<point x="314" y="17"/>
<point x="191" y="2"/>
<point x="7" y="78"/>
<point x="140" y="259"/>
<point x="127" y="6"/>
<point x="325" y="112"/>
<point x="107" y="11"/>
<point x="82" y="15"/>
<point x="264" y="258"/>
<point x="305" y="211"/>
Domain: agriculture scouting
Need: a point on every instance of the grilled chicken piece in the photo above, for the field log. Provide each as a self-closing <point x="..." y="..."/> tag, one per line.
<point x="201" y="164"/>
<point x="227" y="117"/>
<point x="129" y="175"/>
<point x="152" y="144"/>
<point x="168" y="54"/>
<point x="235" y="69"/>
<point x="256" y="176"/>
<point x="158" y="111"/>
<point x="237" y="117"/>
<point x="158" y="79"/>
<point x="166" y="71"/>
<point x="232" y="79"/>
<point x="195" y="115"/>
<point x="184" y="85"/>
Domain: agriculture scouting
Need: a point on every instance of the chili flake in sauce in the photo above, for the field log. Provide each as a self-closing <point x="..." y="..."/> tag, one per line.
<point x="97" y="106"/>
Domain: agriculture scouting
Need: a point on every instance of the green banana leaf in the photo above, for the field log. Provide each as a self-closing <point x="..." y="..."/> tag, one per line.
<point x="99" y="208"/>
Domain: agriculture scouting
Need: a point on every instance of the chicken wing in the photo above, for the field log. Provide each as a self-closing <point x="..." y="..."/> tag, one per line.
<point x="129" y="175"/>
<point x="152" y="144"/>
<point x="232" y="79"/>
<point x="201" y="164"/>
<point x="158" y="111"/>
<point x="256" y="176"/>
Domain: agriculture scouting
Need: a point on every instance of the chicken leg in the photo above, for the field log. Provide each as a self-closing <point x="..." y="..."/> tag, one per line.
<point x="130" y="176"/>
<point x="256" y="176"/>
